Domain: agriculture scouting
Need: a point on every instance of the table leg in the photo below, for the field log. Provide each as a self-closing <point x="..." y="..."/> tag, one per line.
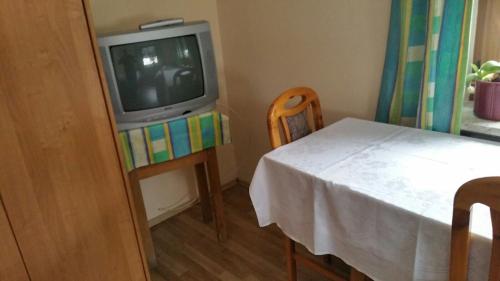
<point x="147" y="240"/>
<point x="201" y="178"/>
<point x="356" y="275"/>
<point x="327" y="259"/>
<point x="213" y="176"/>
<point x="291" y="265"/>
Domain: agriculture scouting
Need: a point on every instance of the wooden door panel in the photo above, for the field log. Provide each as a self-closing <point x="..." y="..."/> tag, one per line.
<point x="11" y="265"/>
<point x="60" y="175"/>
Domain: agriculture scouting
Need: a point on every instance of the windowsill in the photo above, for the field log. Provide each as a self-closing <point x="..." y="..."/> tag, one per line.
<point x="472" y="124"/>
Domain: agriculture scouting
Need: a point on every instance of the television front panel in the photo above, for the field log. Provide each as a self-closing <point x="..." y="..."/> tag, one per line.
<point x="160" y="74"/>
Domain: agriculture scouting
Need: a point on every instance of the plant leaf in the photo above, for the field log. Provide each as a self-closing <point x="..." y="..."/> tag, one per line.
<point x="488" y="77"/>
<point x="474" y="68"/>
<point x="472" y="77"/>
<point x="490" y="67"/>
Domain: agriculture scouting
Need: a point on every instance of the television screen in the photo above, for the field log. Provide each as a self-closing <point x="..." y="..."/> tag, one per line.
<point x="158" y="73"/>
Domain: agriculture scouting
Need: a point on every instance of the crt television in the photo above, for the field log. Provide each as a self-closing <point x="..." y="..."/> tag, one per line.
<point x="159" y="74"/>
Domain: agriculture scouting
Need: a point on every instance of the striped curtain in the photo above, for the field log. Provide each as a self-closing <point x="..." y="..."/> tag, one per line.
<point x="426" y="62"/>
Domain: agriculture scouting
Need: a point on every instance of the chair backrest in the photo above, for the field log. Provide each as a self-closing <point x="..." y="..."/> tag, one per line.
<point x="485" y="191"/>
<point x="293" y="119"/>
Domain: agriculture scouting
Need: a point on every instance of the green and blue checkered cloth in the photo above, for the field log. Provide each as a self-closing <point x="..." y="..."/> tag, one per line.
<point x="173" y="139"/>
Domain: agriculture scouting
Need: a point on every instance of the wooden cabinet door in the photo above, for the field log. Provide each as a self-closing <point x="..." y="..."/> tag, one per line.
<point x="60" y="176"/>
<point x="11" y="265"/>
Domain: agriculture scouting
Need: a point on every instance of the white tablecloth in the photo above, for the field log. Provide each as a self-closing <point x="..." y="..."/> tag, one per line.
<point x="378" y="196"/>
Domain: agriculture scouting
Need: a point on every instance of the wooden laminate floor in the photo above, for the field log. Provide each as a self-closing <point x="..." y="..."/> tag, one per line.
<point x="187" y="248"/>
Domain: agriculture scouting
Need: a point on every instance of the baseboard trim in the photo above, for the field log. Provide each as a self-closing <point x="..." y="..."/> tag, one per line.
<point x="242" y="183"/>
<point x="230" y="184"/>
<point x="168" y="214"/>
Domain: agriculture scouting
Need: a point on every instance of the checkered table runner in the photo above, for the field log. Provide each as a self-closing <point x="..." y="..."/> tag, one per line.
<point x="173" y="139"/>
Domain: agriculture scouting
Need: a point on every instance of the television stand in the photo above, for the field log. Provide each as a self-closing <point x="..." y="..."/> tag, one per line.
<point x="204" y="159"/>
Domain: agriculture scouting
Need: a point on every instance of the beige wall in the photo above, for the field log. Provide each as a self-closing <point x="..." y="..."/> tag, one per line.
<point x="336" y="47"/>
<point x="166" y="194"/>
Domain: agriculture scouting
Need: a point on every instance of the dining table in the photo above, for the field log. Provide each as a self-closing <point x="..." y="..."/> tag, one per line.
<point x="378" y="196"/>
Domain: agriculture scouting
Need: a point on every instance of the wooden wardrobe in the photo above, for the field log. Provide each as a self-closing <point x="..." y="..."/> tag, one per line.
<point x="65" y="210"/>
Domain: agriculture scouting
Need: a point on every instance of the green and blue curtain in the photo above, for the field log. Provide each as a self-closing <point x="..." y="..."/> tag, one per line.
<point x="426" y="63"/>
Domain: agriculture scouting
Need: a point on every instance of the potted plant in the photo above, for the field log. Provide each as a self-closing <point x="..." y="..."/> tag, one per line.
<point x="487" y="90"/>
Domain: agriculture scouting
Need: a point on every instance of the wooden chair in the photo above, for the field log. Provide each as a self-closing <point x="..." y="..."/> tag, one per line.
<point x="287" y="123"/>
<point x="485" y="191"/>
<point x="293" y="120"/>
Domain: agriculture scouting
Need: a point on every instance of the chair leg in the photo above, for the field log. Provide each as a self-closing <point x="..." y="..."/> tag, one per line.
<point x="356" y="275"/>
<point x="291" y="265"/>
